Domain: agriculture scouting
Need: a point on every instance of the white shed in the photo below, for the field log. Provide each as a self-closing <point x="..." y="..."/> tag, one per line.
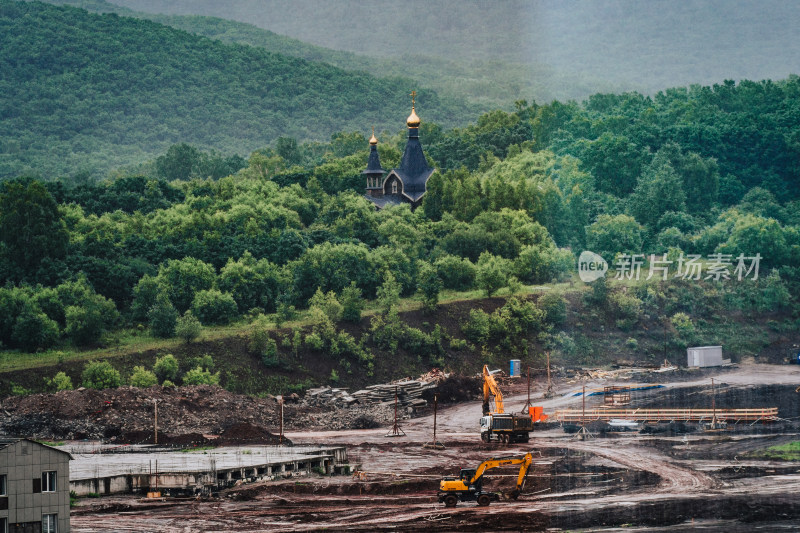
<point x="705" y="356"/>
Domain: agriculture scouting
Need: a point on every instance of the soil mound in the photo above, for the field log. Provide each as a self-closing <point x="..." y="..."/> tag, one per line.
<point x="244" y="433"/>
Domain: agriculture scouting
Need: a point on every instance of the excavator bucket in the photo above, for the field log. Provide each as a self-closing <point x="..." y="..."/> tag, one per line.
<point x="537" y="413"/>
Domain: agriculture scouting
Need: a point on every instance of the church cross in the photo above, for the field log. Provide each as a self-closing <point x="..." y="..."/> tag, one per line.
<point x="413" y="96"/>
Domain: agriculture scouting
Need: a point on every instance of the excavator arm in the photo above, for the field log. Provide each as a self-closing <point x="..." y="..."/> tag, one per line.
<point x="523" y="474"/>
<point x="525" y="461"/>
<point x="490" y="388"/>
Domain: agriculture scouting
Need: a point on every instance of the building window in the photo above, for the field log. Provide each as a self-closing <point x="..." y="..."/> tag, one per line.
<point x="4" y="525"/>
<point x="49" y="523"/>
<point x="49" y="481"/>
<point x="394" y="187"/>
<point x="3" y="489"/>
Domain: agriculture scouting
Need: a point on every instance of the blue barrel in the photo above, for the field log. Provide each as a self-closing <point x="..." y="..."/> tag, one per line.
<point x="516" y="367"/>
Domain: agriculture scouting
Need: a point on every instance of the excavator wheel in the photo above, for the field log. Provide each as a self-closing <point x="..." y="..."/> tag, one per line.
<point x="484" y="500"/>
<point x="450" y="500"/>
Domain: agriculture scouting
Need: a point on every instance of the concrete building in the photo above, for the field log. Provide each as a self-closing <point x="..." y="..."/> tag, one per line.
<point x="34" y="487"/>
<point x="705" y="356"/>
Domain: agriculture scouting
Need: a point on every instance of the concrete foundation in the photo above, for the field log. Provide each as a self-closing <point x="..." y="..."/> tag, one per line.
<point x="102" y="470"/>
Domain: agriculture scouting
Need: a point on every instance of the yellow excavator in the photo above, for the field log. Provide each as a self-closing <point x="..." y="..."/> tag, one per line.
<point x="468" y="486"/>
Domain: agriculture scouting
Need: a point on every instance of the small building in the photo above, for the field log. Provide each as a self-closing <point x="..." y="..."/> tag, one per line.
<point x="405" y="184"/>
<point x="34" y="487"/>
<point x="705" y="356"/>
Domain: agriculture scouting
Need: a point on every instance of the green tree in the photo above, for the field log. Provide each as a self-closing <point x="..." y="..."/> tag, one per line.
<point x="188" y="327"/>
<point x="85" y="324"/>
<point x="389" y="293"/>
<point x="492" y="273"/>
<point x="327" y="304"/>
<point x="430" y="285"/>
<point x="142" y="378"/>
<point x="166" y="368"/>
<point x="214" y="307"/>
<point x="31" y="227"/>
<point x="144" y="297"/>
<point x="163" y="317"/>
<point x="610" y="235"/>
<point x="554" y="306"/>
<point x="178" y="163"/>
<point x="352" y="303"/>
<point x="183" y="278"/>
<point x="32" y="329"/>
<point x="658" y="191"/>
<point x="100" y="375"/>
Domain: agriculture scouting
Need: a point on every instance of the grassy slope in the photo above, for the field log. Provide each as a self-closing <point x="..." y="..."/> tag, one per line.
<point x="598" y="342"/>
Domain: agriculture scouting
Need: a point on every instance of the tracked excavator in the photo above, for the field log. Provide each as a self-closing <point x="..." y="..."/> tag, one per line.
<point x="469" y="485"/>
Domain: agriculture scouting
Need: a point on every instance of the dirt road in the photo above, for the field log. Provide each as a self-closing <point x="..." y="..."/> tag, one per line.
<point x="642" y="481"/>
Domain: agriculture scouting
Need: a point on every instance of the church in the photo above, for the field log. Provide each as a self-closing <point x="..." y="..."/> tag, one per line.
<point x="405" y="184"/>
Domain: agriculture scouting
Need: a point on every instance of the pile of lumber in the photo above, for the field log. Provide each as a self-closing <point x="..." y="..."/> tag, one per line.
<point x="409" y="393"/>
<point x="325" y="396"/>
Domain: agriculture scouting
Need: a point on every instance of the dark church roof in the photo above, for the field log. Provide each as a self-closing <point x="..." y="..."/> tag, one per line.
<point x="374" y="163"/>
<point x="414" y="170"/>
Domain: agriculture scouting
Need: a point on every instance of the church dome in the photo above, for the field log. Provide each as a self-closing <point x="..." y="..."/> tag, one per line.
<point x="413" y="119"/>
<point x="373" y="140"/>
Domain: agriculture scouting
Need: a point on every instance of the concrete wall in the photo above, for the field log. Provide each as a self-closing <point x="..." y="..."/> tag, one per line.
<point x="23" y="462"/>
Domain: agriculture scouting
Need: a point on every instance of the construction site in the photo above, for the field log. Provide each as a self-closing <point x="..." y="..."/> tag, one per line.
<point x="646" y="449"/>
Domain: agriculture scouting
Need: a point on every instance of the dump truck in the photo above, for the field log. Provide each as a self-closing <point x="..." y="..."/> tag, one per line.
<point x="469" y="485"/>
<point x="496" y="424"/>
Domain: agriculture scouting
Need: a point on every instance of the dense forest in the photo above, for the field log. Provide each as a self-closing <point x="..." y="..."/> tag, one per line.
<point x="195" y="239"/>
<point x="85" y="92"/>
<point x="518" y="195"/>
<point x="488" y="83"/>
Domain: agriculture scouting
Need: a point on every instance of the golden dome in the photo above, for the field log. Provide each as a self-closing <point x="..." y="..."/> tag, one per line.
<point x="413" y="119"/>
<point x="373" y="139"/>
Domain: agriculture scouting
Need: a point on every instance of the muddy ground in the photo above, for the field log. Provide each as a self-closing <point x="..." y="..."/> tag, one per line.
<point x="699" y="480"/>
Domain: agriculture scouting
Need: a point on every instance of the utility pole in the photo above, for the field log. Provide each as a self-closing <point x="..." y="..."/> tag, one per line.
<point x="713" y="406"/>
<point x="280" y="405"/>
<point x="549" y="392"/>
<point x="155" y="421"/>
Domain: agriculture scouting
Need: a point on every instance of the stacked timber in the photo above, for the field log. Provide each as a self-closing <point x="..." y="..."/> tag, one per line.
<point x="409" y="393"/>
<point x="325" y="396"/>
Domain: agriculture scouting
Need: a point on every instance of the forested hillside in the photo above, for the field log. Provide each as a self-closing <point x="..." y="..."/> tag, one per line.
<point x="706" y="170"/>
<point x="83" y="92"/>
<point x="488" y="83"/>
<point x="634" y="45"/>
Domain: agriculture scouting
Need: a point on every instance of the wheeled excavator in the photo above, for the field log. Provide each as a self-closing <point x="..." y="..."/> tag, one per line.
<point x="469" y="485"/>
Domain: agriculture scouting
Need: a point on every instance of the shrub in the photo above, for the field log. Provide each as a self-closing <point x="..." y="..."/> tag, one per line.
<point x="554" y="306"/>
<point x="456" y="273"/>
<point x="683" y="325"/>
<point x="61" y="381"/>
<point x="632" y="343"/>
<point x="477" y="328"/>
<point x="326" y="304"/>
<point x="87" y="322"/>
<point x="214" y="307"/>
<point x="334" y="376"/>
<point x="163" y="317"/>
<point x="429" y="287"/>
<point x="200" y="376"/>
<point x="33" y="330"/>
<point x="100" y="375"/>
<point x="269" y="356"/>
<point x="352" y="303"/>
<point x="166" y="368"/>
<point x="188" y="327"/>
<point x="142" y="378"/>
<point x="259" y="336"/>
<point x="625" y="308"/>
